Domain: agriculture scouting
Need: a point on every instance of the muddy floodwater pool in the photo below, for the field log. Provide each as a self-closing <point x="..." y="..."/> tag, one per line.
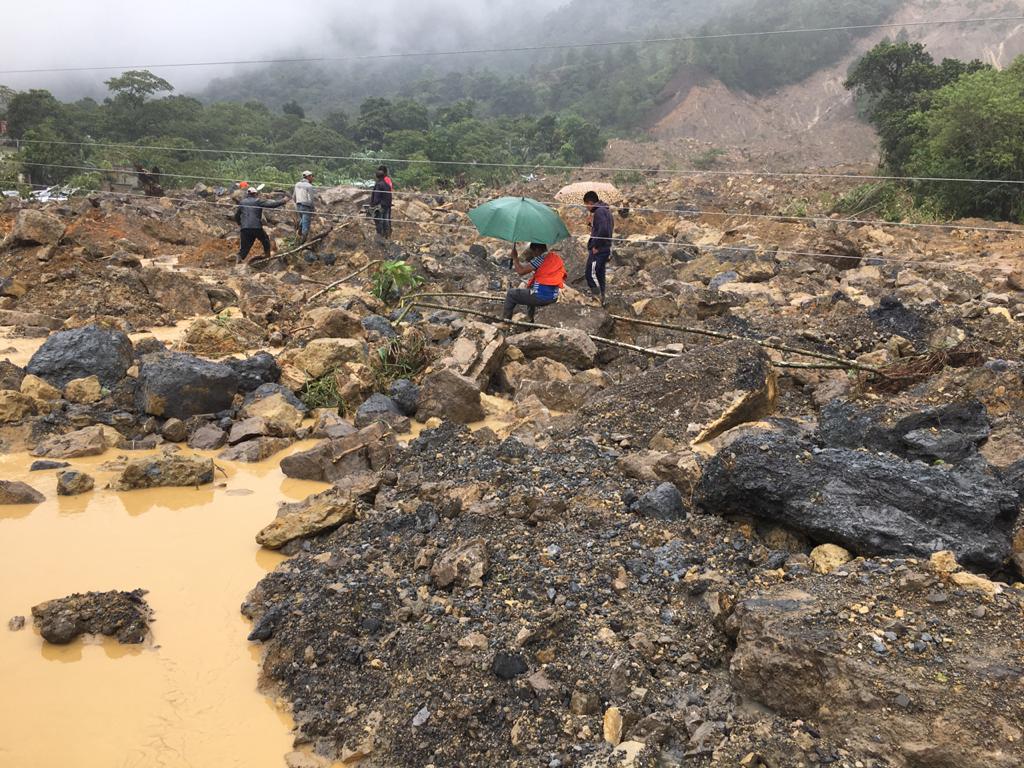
<point x="187" y="697"/>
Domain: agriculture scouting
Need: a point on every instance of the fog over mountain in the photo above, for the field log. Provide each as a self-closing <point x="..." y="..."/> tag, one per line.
<point x="124" y="33"/>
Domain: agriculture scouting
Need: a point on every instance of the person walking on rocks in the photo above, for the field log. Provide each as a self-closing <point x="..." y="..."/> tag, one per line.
<point x="380" y="203"/>
<point x="249" y="217"/>
<point x="599" y="249"/>
<point x="305" y="201"/>
<point x="548" y="279"/>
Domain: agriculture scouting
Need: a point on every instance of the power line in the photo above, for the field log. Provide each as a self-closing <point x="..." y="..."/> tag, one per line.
<point x="638" y="209"/>
<point x="536" y="166"/>
<point x="739" y="247"/>
<point x="513" y="49"/>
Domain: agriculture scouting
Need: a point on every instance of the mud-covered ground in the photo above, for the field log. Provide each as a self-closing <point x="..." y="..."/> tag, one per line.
<point x="562" y="588"/>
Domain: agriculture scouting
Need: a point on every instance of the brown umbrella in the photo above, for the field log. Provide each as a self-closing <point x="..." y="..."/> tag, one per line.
<point x="573" y="194"/>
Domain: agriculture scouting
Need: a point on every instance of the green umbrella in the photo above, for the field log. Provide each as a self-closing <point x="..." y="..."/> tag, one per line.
<point x="519" y="220"/>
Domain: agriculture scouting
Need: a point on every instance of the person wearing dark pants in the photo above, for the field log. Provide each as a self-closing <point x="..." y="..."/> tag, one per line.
<point x="380" y="203"/>
<point x="249" y="217"/>
<point x="599" y="249"/>
<point x="548" y="279"/>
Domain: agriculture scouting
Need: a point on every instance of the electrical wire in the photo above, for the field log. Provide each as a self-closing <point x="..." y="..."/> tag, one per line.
<point x="539" y="166"/>
<point x="635" y="209"/>
<point x="513" y="49"/>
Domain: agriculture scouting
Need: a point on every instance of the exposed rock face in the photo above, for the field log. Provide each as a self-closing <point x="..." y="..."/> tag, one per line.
<point x="463" y="564"/>
<point x="38" y="389"/>
<point x="83" y="352"/>
<point x="321" y="356"/>
<point x="570" y="346"/>
<point x="253" y="372"/>
<point x="869" y="503"/>
<point x="948" y="433"/>
<point x="16" y="493"/>
<point x="319" y="513"/>
<point x="332" y="323"/>
<point x="277" y="412"/>
<point x="406" y="396"/>
<point x="859" y="673"/>
<point x="381" y="408"/>
<point x="176" y="292"/>
<point x="74" y="483"/>
<point x="450" y="397"/>
<point x="718" y="387"/>
<point x="36" y="227"/>
<point x="334" y="460"/>
<point x="165" y="472"/>
<point x="477" y="353"/>
<point x="208" y="437"/>
<point x="15" y="406"/>
<point x="221" y="336"/>
<point x="91" y="441"/>
<point x="84" y="391"/>
<point x="181" y="386"/>
<point x="124" y="615"/>
<point x="256" y="450"/>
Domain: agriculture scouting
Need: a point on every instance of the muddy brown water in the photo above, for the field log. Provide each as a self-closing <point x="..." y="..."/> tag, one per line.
<point x="187" y="698"/>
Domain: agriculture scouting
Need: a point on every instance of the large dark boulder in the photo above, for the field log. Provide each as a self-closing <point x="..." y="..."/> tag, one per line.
<point x="253" y="372"/>
<point x="82" y="352"/>
<point x="181" y="386"/>
<point x="873" y="504"/>
<point x="948" y="433"/>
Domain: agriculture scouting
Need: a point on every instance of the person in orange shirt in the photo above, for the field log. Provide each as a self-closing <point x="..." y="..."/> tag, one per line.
<point x="548" y="279"/>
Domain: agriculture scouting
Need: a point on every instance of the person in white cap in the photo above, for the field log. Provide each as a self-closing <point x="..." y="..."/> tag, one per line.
<point x="305" y="197"/>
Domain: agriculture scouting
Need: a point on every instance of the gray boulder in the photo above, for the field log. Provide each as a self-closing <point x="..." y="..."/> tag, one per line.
<point x="253" y="372"/>
<point x="381" y="408"/>
<point x="74" y="483"/>
<point x="405" y="395"/>
<point x="83" y="352"/>
<point x="16" y="492"/>
<point x="181" y="386"/>
<point x="663" y="503"/>
<point x="450" y="397"/>
<point x="570" y="346"/>
<point x="872" y="504"/>
<point x="36" y="227"/>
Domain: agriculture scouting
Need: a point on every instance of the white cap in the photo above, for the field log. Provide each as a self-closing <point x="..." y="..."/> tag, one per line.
<point x="306" y="173"/>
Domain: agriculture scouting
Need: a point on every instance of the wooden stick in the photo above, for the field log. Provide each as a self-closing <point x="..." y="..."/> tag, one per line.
<point x="345" y="279"/>
<point x="302" y="247"/>
<point x="734" y="337"/>
<point x="540" y="326"/>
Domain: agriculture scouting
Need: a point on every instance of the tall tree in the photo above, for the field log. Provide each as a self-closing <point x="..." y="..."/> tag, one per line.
<point x="136" y="85"/>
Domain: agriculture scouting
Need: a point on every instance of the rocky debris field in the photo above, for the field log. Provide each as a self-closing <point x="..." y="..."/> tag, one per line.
<point x="761" y="509"/>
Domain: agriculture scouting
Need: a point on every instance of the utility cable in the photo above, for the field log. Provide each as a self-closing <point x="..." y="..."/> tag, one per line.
<point x="513" y="49"/>
<point x="636" y="209"/>
<point x="539" y="166"/>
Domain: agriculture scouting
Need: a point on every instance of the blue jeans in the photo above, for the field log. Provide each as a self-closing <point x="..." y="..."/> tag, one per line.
<point x="305" y="218"/>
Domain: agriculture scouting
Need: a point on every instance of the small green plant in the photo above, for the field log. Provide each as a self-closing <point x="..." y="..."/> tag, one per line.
<point x="322" y="393"/>
<point x="399" y="358"/>
<point x="627" y="178"/>
<point x="393" y="277"/>
<point x="708" y="159"/>
<point x="796" y="207"/>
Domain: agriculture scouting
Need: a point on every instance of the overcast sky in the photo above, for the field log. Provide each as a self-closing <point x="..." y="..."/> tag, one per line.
<point x="83" y="33"/>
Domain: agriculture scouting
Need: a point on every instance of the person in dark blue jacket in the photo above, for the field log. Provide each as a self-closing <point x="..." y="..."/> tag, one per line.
<point x="599" y="249"/>
<point x="380" y="203"/>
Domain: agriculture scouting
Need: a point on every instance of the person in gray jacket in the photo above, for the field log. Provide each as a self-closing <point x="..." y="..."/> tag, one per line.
<point x="305" y="199"/>
<point x="249" y="217"/>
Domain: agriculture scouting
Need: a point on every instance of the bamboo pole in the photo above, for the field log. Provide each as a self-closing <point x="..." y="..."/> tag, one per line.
<point x="343" y="280"/>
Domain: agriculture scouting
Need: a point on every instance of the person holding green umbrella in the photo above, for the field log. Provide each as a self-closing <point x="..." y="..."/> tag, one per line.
<point x="548" y="279"/>
<point x="522" y="220"/>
